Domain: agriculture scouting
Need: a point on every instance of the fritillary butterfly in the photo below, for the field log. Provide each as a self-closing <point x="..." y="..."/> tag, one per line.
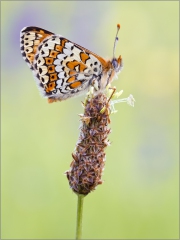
<point x="62" y="68"/>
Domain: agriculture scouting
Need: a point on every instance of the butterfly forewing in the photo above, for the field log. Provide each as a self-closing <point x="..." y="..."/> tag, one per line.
<point x="62" y="68"/>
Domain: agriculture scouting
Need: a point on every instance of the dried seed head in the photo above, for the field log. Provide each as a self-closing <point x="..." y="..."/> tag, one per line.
<point x="89" y="156"/>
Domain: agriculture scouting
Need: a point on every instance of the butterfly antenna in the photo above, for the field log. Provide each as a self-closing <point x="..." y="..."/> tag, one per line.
<point x="116" y="40"/>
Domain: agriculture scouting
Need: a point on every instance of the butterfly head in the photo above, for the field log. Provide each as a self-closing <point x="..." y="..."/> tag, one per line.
<point x="117" y="64"/>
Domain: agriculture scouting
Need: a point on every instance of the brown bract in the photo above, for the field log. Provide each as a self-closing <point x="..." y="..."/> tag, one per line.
<point x="89" y="156"/>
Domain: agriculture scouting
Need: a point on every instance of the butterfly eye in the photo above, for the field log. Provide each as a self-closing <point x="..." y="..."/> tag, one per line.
<point x="115" y="64"/>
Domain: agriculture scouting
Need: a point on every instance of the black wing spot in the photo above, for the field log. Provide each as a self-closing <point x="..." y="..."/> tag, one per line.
<point x="41" y="85"/>
<point x="40" y="70"/>
<point x="95" y="69"/>
<point x="39" y="48"/>
<point x="35" y="66"/>
<point x="95" y="63"/>
<point x="45" y="40"/>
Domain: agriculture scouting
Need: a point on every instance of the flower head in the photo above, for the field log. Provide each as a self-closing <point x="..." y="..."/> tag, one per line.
<point x="89" y="155"/>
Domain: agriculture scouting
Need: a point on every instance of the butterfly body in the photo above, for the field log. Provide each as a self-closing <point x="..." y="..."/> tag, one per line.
<point x="62" y="68"/>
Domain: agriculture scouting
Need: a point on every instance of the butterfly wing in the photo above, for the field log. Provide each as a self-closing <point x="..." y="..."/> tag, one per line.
<point x="62" y="68"/>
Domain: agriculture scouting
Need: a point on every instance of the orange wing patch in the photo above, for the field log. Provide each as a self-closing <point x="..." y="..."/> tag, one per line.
<point x="53" y="54"/>
<point x="71" y="79"/>
<point x="75" y="84"/>
<point x="77" y="66"/>
<point x="30" y="57"/>
<point x="63" y="41"/>
<point x="53" y="77"/>
<point x="59" y="48"/>
<point x="84" y="57"/>
<point x="49" y="61"/>
<point x="51" y="69"/>
<point x="50" y="87"/>
<point x="72" y="72"/>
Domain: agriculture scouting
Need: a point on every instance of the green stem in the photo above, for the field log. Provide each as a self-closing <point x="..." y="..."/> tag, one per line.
<point x="79" y="216"/>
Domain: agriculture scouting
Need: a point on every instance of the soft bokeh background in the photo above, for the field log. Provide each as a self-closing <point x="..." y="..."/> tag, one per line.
<point x="139" y="198"/>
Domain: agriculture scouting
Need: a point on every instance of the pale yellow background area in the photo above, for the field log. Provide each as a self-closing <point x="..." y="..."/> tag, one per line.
<point x="139" y="196"/>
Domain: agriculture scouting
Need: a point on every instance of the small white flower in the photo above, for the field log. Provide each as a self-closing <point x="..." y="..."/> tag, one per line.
<point x="129" y="100"/>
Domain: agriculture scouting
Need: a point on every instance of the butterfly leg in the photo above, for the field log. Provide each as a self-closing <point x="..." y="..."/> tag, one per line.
<point x="114" y="89"/>
<point x="106" y="107"/>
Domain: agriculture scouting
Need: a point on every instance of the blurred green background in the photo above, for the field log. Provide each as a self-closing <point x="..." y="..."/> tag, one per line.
<point x="139" y="198"/>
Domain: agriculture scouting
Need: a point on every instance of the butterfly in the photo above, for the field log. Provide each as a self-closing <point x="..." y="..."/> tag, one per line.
<point x="63" y="69"/>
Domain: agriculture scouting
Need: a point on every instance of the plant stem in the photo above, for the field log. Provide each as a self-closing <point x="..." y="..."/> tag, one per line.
<point x="79" y="216"/>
